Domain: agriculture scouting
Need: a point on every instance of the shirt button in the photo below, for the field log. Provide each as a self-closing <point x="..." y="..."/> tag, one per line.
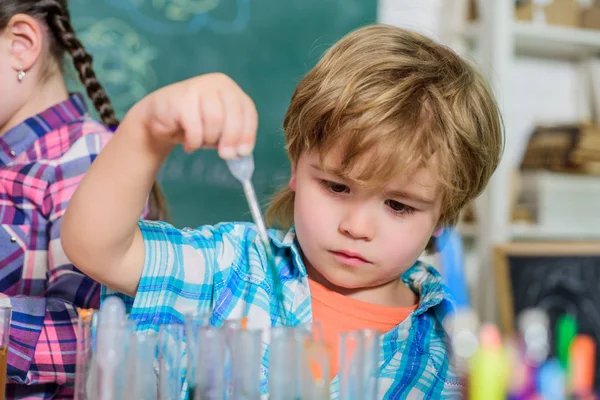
<point x="13" y="153"/>
<point x="13" y="239"/>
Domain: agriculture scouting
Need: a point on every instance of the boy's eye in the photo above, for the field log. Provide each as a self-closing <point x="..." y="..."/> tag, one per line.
<point x="335" y="187"/>
<point x="398" y="207"/>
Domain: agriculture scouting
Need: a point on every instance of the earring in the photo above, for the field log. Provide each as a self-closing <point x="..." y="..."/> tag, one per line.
<point x="20" y="74"/>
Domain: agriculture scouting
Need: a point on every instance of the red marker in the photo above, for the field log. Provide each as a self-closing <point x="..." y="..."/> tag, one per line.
<point x="582" y="366"/>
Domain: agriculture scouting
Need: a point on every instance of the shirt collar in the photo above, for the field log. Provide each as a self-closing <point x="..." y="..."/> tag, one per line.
<point x="427" y="282"/>
<point x="287" y="240"/>
<point x="282" y="239"/>
<point x="22" y="136"/>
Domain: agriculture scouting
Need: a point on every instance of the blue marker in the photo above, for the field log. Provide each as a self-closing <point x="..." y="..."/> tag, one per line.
<point x="449" y="247"/>
<point x="551" y="381"/>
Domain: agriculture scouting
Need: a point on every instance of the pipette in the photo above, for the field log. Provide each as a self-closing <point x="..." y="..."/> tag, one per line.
<point x="242" y="169"/>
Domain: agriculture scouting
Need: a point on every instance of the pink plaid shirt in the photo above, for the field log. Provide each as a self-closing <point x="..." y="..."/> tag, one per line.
<point x="42" y="161"/>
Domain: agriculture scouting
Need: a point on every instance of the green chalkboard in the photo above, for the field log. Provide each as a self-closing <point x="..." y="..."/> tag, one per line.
<point x="264" y="45"/>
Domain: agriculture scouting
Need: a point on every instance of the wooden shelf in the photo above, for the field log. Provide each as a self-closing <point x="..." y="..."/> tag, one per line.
<point x="525" y="231"/>
<point x="548" y="41"/>
<point x="532" y="232"/>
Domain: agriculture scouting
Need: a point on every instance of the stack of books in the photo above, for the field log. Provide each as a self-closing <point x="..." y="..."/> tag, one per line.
<point x="564" y="148"/>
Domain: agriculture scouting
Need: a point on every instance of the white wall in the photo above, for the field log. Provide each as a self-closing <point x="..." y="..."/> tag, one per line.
<point x="419" y="15"/>
<point x="543" y="91"/>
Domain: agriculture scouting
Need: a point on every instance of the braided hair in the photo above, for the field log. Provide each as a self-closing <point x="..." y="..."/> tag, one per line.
<point x="55" y="15"/>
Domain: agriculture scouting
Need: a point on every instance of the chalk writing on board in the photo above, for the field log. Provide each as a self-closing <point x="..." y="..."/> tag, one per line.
<point x="179" y="10"/>
<point x="180" y="17"/>
<point x="122" y="59"/>
<point x="191" y="170"/>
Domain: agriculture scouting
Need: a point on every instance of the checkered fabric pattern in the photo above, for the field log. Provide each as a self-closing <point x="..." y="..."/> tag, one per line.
<point x="42" y="160"/>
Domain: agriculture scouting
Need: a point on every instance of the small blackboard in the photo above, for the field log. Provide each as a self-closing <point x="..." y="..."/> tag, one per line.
<point x="560" y="278"/>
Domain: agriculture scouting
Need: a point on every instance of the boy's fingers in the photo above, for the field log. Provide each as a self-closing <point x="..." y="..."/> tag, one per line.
<point x="250" y="125"/>
<point x="192" y="125"/>
<point x="232" y="124"/>
<point x="213" y="114"/>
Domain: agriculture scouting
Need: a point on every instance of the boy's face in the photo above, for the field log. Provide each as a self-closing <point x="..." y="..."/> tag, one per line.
<point x="358" y="241"/>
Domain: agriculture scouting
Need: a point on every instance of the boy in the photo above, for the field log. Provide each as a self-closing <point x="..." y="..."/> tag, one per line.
<point x="389" y="136"/>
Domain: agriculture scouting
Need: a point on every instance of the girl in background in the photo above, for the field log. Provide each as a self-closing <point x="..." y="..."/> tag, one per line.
<point x="47" y="143"/>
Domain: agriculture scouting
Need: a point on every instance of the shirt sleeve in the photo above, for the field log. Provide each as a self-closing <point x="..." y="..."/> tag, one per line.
<point x="183" y="269"/>
<point x="43" y="337"/>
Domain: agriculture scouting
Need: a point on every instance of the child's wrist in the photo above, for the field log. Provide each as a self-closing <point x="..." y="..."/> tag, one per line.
<point x="139" y="123"/>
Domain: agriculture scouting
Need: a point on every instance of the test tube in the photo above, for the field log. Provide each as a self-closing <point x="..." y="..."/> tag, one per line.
<point x="5" y="315"/>
<point x="170" y="352"/>
<point x="286" y="362"/>
<point x="110" y="347"/>
<point x="193" y="322"/>
<point x="88" y="374"/>
<point x="229" y="327"/>
<point x="122" y="374"/>
<point x="83" y="355"/>
<point x="210" y="364"/>
<point x="359" y="364"/>
<point x="315" y="371"/>
<point x="140" y="376"/>
<point x="313" y="330"/>
<point x="313" y="359"/>
<point x="246" y="356"/>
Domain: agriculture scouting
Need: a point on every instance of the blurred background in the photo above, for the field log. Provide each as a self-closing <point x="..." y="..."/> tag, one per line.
<point x="531" y="240"/>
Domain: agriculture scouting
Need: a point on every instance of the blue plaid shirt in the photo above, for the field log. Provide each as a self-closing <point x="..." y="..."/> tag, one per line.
<point x="221" y="270"/>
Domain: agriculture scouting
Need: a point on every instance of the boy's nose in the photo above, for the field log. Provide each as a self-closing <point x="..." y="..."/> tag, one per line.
<point x="358" y="224"/>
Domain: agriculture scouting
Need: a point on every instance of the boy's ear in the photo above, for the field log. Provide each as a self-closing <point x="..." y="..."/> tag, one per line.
<point x="438" y="231"/>
<point x="293" y="179"/>
<point x="26" y="40"/>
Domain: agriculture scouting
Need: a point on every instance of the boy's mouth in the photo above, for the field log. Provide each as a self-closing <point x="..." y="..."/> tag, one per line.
<point x="350" y="257"/>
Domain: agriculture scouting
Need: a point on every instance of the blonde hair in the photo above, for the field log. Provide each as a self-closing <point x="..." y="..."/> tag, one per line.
<point x="397" y="99"/>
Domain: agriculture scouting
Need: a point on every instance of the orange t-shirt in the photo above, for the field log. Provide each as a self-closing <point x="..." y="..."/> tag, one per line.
<point x="337" y="313"/>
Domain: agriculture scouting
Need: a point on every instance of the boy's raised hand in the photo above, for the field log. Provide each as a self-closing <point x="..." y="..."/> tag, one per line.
<point x="209" y="111"/>
<point x="204" y="112"/>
